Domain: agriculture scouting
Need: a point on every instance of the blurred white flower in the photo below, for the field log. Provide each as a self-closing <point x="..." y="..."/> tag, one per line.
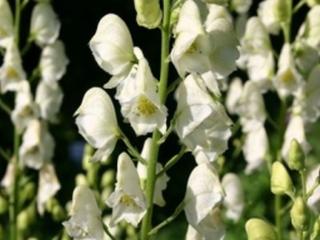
<point x="127" y="201"/>
<point x="193" y="234"/>
<point x="53" y="62"/>
<point x="49" y="99"/>
<point x="202" y="123"/>
<point x="37" y="145"/>
<point x="295" y="130"/>
<point x="234" y="198"/>
<point x="306" y="56"/>
<point x="112" y="47"/>
<point x="97" y="123"/>
<point x="11" y="72"/>
<point x="287" y="80"/>
<point x="48" y="186"/>
<point x="203" y="196"/>
<point x="199" y="26"/>
<point x="240" y="25"/>
<point x="6" y="20"/>
<point x="25" y="109"/>
<point x="148" y="13"/>
<point x="45" y="25"/>
<point x="140" y="101"/>
<point x="85" y="221"/>
<point x="233" y="95"/>
<point x="8" y="177"/>
<point x="268" y="15"/>
<point x="241" y="6"/>
<point x="161" y="182"/>
<point x="312" y="179"/>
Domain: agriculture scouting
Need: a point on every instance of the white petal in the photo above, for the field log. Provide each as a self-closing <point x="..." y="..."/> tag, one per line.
<point x="6" y="19"/>
<point x="314" y="199"/>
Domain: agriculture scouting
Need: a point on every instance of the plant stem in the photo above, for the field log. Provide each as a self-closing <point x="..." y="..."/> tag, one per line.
<point x="278" y="216"/>
<point x="154" y="151"/>
<point x="303" y="184"/>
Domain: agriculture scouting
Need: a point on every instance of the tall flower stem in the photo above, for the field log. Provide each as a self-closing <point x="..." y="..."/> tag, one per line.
<point x="151" y="168"/>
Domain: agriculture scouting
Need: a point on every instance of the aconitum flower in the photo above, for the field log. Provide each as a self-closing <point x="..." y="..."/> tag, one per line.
<point x="241" y="6"/>
<point x="85" y="221"/>
<point x="312" y="179"/>
<point x="49" y="99"/>
<point x="48" y="186"/>
<point x="233" y="95"/>
<point x="205" y="40"/>
<point x="53" y="62"/>
<point x="202" y="200"/>
<point x="306" y="56"/>
<point x="202" y="123"/>
<point x="97" y="123"/>
<point x="112" y="47"/>
<point x="127" y="201"/>
<point x="234" y="198"/>
<point x="6" y="20"/>
<point x="148" y="13"/>
<point x="193" y="234"/>
<point x="25" y="109"/>
<point x="287" y="80"/>
<point x="140" y="101"/>
<point x="37" y="145"/>
<point x="161" y="182"/>
<point x="267" y="14"/>
<point x="11" y="72"/>
<point x="45" y="25"/>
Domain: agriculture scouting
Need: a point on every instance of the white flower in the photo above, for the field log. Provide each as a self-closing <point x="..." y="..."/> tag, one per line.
<point x="287" y="80"/>
<point x="295" y="130"/>
<point x="49" y="99"/>
<point x="161" y="182"/>
<point x="97" y="122"/>
<point x="233" y="95"/>
<point x="45" y="25"/>
<point x="251" y="107"/>
<point x="112" y="46"/>
<point x="25" y="110"/>
<point x="148" y="13"/>
<point x="11" y="72"/>
<point x="193" y="234"/>
<point x="37" y="145"/>
<point x="312" y="179"/>
<point x="53" y="62"/>
<point x="203" y="197"/>
<point x="241" y="6"/>
<point x="127" y="201"/>
<point x="204" y="43"/>
<point x="85" y="222"/>
<point x="234" y="199"/>
<point x="306" y="56"/>
<point x="8" y="177"/>
<point x="140" y="101"/>
<point x="48" y="186"/>
<point x="6" y="20"/>
<point x="268" y="16"/>
<point x="202" y="123"/>
<point x="255" y="148"/>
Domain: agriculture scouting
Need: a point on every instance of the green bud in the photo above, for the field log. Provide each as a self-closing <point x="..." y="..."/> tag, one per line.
<point x="58" y="213"/>
<point x="87" y="154"/>
<point x="106" y="192"/>
<point x="296" y="156"/>
<point x="283" y="10"/>
<point x="92" y="176"/>
<point x="107" y="178"/>
<point x="81" y="180"/>
<point x="3" y="205"/>
<point x="148" y="13"/>
<point x="299" y="214"/>
<point x="28" y="192"/>
<point x="258" y="229"/>
<point x="51" y="203"/>
<point x="280" y="180"/>
<point x="316" y="230"/>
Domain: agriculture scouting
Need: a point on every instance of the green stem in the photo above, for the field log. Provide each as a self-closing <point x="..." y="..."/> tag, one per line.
<point x="298" y="6"/>
<point x="107" y="231"/>
<point x="278" y="216"/>
<point x="303" y="184"/>
<point x="154" y="151"/>
<point x="5" y="107"/>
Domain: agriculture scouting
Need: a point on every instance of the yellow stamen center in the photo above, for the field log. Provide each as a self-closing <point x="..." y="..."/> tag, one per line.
<point x="12" y="73"/>
<point x="145" y="107"/>
<point x="127" y="200"/>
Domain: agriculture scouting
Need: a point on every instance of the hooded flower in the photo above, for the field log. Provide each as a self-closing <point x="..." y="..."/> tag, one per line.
<point x="112" y="46"/>
<point x="140" y="101"/>
<point x="25" y="110"/>
<point x="312" y="178"/>
<point x="202" y="123"/>
<point x="53" y="62"/>
<point x="193" y="234"/>
<point x="205" y="40"/>
<point x="97" y="122"/>
<point x="127" y="201"/>
<point x="49" y="99"/>
<point x="6" y="20"/>
<point x="234" y="199"/>
<point x="48" y="185"/>
<point x="161" y="182"/>
<point x="148" y="13"/>
<point x="233" y="95"/>
<point x="203" y="197"/>
<point x="287" y="80"/>
<point x="11" y="72"/>
<point x="37" y="145"/>
<point x="268" y="15"/>
<point x="45" y="25"/>
<point x="85" y="222"/>
<point x="306" y="56"/>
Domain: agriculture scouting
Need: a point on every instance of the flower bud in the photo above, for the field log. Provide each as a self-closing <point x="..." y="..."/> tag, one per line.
<point x="316" y="230"/>
<point x="28" y="192"/>
<point x="26" y="217"/>
<point x="258" y="229"/>
<point x="299" y="214"/>
<point x="296" y="156"/>
<point x="148" y="13"/>
<point x="283" y="10"/>
<point x="81" y="180"/>
<point x="107" y="178"/>
<point x="58" y="213"/>
<point x="3" y="205"/>
<point x="280" y="180"/>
